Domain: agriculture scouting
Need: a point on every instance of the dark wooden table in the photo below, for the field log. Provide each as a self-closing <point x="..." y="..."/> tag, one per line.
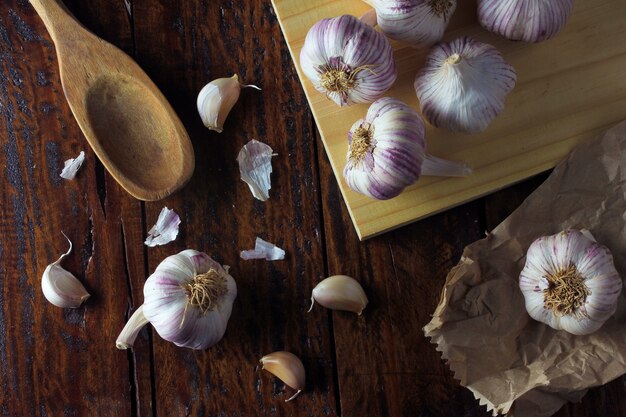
<point x="64" y="362"/>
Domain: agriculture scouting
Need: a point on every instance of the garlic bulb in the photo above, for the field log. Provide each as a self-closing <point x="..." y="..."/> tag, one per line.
<point x="188" y="299"/>
<point x="348" y="60"/>
<point x="387" y="152"/>
<point x="569" y="282"/>
<point x="60" y="287"/>
<point x="217" y="99"/>
<point x="417" y="22"/>
<point x="525" y="20"/>
<point x="288" y="368"/>
<point x="340" y="292"/>
<point x="463" y="85"/>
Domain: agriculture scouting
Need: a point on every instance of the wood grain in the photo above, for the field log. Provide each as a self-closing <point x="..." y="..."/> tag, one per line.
<point x="568" y="89"/>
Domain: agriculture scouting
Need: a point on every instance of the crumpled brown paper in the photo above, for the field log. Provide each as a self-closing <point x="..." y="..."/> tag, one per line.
<point x="510" y="362"/>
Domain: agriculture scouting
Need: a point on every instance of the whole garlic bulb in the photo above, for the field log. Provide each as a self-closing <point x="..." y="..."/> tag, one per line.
<point x="569" y="282"/>
<point x="463" y="85"/>
<point x="188" y="299"/>
<point x="524" y="20"/>
<point x="387" y="151"/>
<point x="348" y="60"/>
<point x="417" y="22"/>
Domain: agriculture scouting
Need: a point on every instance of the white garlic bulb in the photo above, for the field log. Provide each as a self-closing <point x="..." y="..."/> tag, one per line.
<point x="569" y="282"/>
<point x="348" y="60"/>
<point x="417" y="22"/>
<point x="463" y="85"/>
<point x="188" y="299"/>
<point x="216" y="100"/>
<point x="525" y="20"/>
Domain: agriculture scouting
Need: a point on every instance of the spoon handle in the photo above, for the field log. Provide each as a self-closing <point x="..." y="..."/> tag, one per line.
<point x="59" y="21"/>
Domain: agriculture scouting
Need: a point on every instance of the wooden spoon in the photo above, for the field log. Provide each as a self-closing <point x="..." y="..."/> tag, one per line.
<point x="125" y="118"/>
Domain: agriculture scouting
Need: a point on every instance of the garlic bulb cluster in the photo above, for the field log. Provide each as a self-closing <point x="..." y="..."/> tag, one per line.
<point x="217" y="99"/>
<point x="569" y="282"/>
<point x="288" y="368"/>
<point x="416" y="22"/>
<point x="60" y="287"/>
<point x="348" y="60"/>
<point x="524" y="20"/>
<point x="340" y="292"/>
<point x="387" y="151"/>
<point x="188" y="299"/>
<point x="463" y="85"/>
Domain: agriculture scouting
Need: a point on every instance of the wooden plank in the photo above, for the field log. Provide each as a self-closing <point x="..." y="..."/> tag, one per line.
<point x="386" y="367"/>
<point x="54" y="361"/>
<point x="194" y="43"/>
<point x="569" y="89"/>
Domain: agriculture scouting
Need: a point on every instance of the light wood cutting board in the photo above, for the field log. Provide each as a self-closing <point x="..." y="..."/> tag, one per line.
<point x="569" y="89"/>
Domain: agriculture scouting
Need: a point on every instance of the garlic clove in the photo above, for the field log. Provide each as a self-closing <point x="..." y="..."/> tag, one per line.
<point x="463" y="85"/>
<point x="131" y="330"/>
<point x="216" y="100"/>
<point x="60" y="287"/>
<point x="288" y="368"/>
<point x="340" y="292"/>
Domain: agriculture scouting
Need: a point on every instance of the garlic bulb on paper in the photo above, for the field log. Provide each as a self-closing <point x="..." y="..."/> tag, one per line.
<point x="288" y="368"/>
<point x="463" y="85"/>
<point x="387" y="151"/>
<point x="348" y="60"/>
<point x="60" y="287"/>
<point x="340" y="292"/>
<point x="217" y="99"/>
<point x="569" y="282"/>
<point x="417" y="22"/>
<point x="188" y="299"/>
<point x="524" y="20"/>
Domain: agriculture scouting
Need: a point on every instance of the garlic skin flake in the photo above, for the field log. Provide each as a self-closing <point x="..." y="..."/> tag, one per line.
<point x="525" y="20"/>
<point x="60" y="287"/>
<point x="165" y="230"/>
<point x="255" y="167"/>
<point x="416" y="22"/>
<point x="340" y="292"/>
<point x="463" y="85"/>
<point x="387" y="152"/>
<point x="348" y="60"/>
<point x="72" y="166"/>
<point x="263" y="250"/>
<point x="569" y="282"/>
<point x="188" y="300"/>
<point x="216" y="100"/>
<point x="288" y="368"/>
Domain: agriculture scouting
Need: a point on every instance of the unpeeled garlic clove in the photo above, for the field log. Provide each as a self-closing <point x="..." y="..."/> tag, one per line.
<point x="60" y="287"/>
<point x="340" y="292"/>
<point x="288" y="368"/>
<point x="217" y="99"/>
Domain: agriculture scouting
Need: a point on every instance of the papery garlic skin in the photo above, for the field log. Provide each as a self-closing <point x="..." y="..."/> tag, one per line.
<point x="586" y="267"/>
<point x="525" y="20"/>
<point x="387" y="151"/>
<point x="416" y="22"/>
<point x="340" y="292"/>
<point x="216" y="100"/>
<point x="188" y="300"/>
<point x="288" y="368"/>
<point x="463" y="85"/>
<point x="348" y="60"/>
<point x="60" y="287"/>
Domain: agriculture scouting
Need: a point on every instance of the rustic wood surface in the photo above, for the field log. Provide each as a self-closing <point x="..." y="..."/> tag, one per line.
<point x="64" y="362"/>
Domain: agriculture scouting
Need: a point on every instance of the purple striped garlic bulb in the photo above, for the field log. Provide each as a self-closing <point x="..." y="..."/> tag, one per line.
<point x="569" y="282"/>
<point x="348" y="60"/>
<point x="416" y="22"/>
<point x="387" y="152"/>
<point x="188" y="300"/>
<point x="463" y="85"/>
<point x="524" y="20"/>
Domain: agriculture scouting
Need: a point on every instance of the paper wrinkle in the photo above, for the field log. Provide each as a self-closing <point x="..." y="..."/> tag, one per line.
<point x="263" y="250"/>
<point x="165" y="230"/>
<point x="512" y="363"/>
<point x="72" y="165"/>
<point x="255" y="167"/>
